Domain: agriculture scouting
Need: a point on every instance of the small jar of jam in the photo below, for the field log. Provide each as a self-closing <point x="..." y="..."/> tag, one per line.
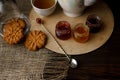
<point x="94" y="23"/>
<point x="63" y="30"/>
<point x="81" y="33"/>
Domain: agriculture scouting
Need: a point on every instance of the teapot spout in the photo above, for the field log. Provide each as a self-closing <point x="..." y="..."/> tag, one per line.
<point x="89" y="2"/>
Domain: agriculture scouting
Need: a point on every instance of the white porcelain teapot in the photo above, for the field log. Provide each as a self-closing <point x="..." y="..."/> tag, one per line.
<point x="74" y="8"/>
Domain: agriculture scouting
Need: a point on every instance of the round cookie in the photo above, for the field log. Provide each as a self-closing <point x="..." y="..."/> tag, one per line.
<point x="35" y="40"/>
<point x="14" y="30"/>
<point x="12" y="34"/>
<point x="16" y="22"/>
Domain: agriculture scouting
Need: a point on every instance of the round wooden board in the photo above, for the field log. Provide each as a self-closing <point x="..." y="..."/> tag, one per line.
<point x="71" y="46"/>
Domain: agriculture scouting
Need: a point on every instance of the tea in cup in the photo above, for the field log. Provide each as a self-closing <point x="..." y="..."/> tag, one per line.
<point x="44" y="7"/>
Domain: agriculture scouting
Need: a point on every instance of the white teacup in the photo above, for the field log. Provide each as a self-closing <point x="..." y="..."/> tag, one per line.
<point x="74" y="8"/>
<point x="44" y="11"/>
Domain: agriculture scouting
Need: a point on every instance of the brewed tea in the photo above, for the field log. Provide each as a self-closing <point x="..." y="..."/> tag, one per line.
<point x="43" y="4"/>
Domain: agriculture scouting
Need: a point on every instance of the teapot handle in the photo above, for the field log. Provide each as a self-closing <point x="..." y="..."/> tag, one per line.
<point x="89" y="2"/>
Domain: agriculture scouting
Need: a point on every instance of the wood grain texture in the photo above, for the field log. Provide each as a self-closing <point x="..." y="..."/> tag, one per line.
<point x="103" y="63"/>
<point x="18" y="63"/>
<point x="71" y="46"/>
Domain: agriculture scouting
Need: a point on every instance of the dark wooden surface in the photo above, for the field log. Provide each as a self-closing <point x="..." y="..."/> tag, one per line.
<point x="103" y="63"/>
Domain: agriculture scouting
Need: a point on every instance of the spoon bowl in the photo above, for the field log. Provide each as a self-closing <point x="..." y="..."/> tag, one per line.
<point x="73" y="63"/>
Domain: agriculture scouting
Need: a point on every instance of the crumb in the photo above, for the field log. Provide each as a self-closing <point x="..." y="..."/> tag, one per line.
<point x="13" y="30"/>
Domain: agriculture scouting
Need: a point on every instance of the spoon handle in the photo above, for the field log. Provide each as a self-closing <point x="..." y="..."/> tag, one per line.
<point x="57" y="42"/>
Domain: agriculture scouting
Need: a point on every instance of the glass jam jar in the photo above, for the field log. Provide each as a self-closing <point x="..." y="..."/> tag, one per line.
<point x="94" y="22"/>
<point x="81" y="33"/>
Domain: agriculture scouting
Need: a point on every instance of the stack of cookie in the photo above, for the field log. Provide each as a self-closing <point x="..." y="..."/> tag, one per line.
<point x="14" y="32"/>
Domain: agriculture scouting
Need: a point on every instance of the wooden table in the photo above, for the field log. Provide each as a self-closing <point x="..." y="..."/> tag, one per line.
<point x="103" y="63"/>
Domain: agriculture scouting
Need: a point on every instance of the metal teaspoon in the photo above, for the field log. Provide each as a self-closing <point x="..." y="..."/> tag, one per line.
<point x="73" y="62"/>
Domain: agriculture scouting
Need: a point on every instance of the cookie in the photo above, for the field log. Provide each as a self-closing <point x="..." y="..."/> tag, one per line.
<point x="16" y="22"/>
<point x="35" y="40"/>
<point x="21" y="23"/>
<point x="12" y="34"/>
<point x="14" y="30"/>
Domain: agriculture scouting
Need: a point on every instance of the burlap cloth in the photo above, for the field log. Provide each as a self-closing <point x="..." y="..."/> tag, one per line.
<point x="18" y="63"/>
